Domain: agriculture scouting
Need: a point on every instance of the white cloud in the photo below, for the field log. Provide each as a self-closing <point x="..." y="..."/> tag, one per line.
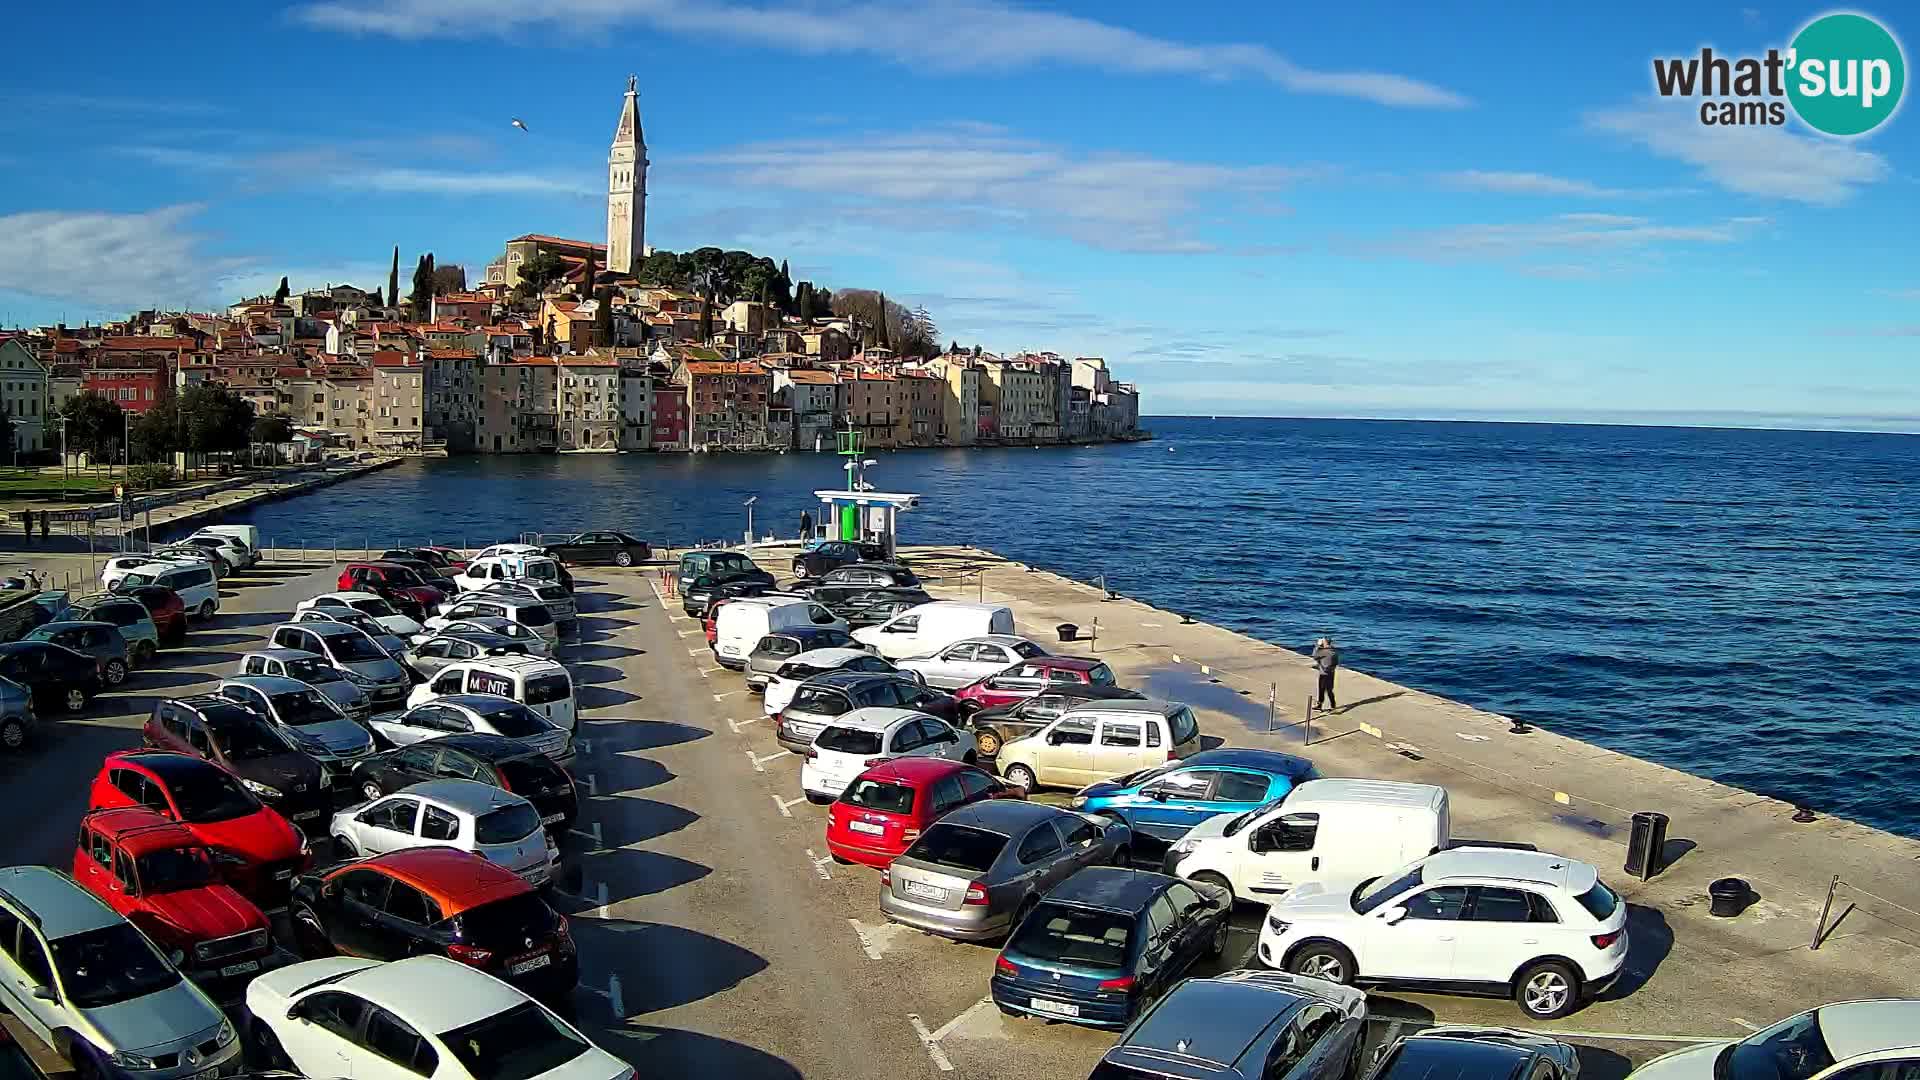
<point x="1770" y="162"/>
<point x="963" y="180"/>
<point x="358" y="167"/>
<point x="114" y="261"/>
<point x="944" y="35"/>
<point x="1527" y="183"/>
<point x="1561" y="238"/>
<point x="460" y="183"/>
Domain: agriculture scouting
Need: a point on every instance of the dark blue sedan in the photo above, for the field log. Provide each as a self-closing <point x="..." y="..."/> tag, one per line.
<point x="1165" y="801"/>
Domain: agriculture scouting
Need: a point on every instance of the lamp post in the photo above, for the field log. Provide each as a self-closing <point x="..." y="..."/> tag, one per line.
<point x="751" y="499"/>
<point x="64" y="460"/>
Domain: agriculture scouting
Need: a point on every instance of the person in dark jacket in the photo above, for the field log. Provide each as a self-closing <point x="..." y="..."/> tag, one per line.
<point x="46" y="519"/>
<point x="26" y="525"/>
<point x="806" y="526"/>
<point x="1326" y="661"/>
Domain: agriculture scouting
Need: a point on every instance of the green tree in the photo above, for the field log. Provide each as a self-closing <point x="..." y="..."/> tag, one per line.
<point x="539" y="271"/>
<point x="803" y="300"/>
<point x="662" y="268"/>
<point x="450" y="278"/>
<point x="272" y="428"/>
<point x="94" y="424"/>
<point x="214" y="419"/>
<point x="377" y="301"/>
<point x="280" y="294"/>
<point x="421" y="298"/>
<point x="156" y="433"/>
<point x="603" y="315"/>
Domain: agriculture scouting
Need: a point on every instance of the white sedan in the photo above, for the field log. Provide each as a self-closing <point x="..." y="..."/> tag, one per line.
<point x="865" y="737"/>
<point x="1851" y="1038"/>
<point x="428" y="1016"/>
<point x="366" y="604"/>
<point x="969" y="660"/>
<point x="803" y="666"/>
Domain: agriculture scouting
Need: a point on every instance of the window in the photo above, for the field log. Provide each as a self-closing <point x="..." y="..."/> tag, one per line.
<point x="334" y="1011"/>
<point x="1153" y="733"/>
<point x="1240" y="787"/>
<point x="1540" y="910"/>
<point x="411" y="905"/>
<point x="1039" y="843"/>
<point x="1081" y="832"/>
<point x="395" y="814"/>
<point x="946" y="794"/>
<point x="1491" y="904"/>
<point x="974" y="784"/>
<point x="1600" y="902"/>
<point x="1115" y="733"/>
<point x="1185" y="727"/>
<point x="1442" y="903"/>
<point x="437" y="824"/>
<point x="1071" y="733"/>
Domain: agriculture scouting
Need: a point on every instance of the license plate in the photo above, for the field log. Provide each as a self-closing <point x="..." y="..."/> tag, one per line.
<point x="925" y="892"/>
<point x="533" y="963"/>
<point x="283" y="875"/>
<point x="867" y="827"/>
<point x="240" y="968"/>
<point x="306" y="814"/>
<point x="1057" y="1008"/>
<point x="553" y="819"/>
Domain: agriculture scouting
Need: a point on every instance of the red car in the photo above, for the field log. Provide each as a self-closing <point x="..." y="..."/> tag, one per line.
<point x="713" y="619"/>
<point x="254" y="849"/>
<point x="397" y="585"/>
<point x="168" y="611"/>
<point x="1029" y="677"/>
<point x="885" y="809"/>
<point x="162" y="878"/>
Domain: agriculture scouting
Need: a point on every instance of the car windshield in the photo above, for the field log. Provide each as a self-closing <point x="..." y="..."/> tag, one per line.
<point x="531" y="774"/>
<point x="173" y="869"/>
<point x="544" y="689"/>
<point x="110" y="965"/>
<point x="507" y="824"/>
<point x="540" y="571"/>
<point x="1384" y="888"/>
<point x="314" y="671"/>
<point x="730" y="565"/>
<point x="1792" y="1049"/>
<point x="137" y="579"/>
<point x="797" y="671"/>
<point x="819" y="700"/>
<point x="375" y="607"/>
<point x="518" y="1044"/>
<point x="777" y="645"/>
<point x="249" y="739"/>
<point x="879" y="795"/>
<point x="1241" y="821"/>
<point x="299" y="708"/>
<point x="516" y="721"/>
<point x="1600" y="902"/>
<point x="211" y="794"/>
<point x="1101" y="675"/>
<point x="849" y="741"/>
<point x="969" y="849"/>
<point x="1074" y="935"/>
<point x="507" y="923"/>
<point x="354" y="648"/>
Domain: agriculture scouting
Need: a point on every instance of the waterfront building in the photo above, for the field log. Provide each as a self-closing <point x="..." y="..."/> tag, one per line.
<point x="728" y="400"/>
<point x="589" y="406"/>
<point x="23" y="394"/>
<point x="871" y="406"/>
<point x="451" y="406"/>
<point x="814" y="397"/>
<point x="519" y="406"/>
<point x="670" y="414"/>
<point x="918" y="400"/>
<point x="395" y="421"/>
<point x="636" y="409"/>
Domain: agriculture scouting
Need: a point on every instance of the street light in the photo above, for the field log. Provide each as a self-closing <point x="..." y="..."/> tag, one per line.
<point x="751" y="499"/>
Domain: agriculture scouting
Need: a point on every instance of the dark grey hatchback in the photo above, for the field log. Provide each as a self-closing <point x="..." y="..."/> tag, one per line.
<point x="1245" y="1025"/>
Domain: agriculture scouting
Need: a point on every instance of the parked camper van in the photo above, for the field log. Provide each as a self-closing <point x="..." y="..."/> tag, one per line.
<point x="931" y="627"/>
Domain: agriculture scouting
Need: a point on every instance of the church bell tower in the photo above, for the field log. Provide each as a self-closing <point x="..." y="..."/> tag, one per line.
<point x="627" y="188"/>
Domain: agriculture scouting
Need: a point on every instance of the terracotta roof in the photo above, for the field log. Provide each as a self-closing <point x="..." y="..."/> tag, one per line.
<point x="542" y="238"/>
<point x="144" y="343"/>
<point x="588" y="361"/>
<point x="874" y="376"/>
<point x="725" y="367"/>
<point x="811" y="377"/>
<point x="452" y="354"/>
<point x="394" y="360"/>
<point x="292" y="372"/>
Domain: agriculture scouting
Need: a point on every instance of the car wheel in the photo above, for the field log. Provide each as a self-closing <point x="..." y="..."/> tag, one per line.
<point x="205" y="610"/>
<point x="75" y="699"/>
<point x="1211" y="878"/>
<point x="624" y="558"/>
<point x="1218" y="948"/>
<point x="266" y="1045"/>
<point x="13" y="734"/>
<point x="115" y="672"/>
<point x="987" y="741"/>
<point x="371" y="790"/>
<point x="142" y="653"/>
<point x="1021" y="777"/>
<point x="1547" y="990"/>
<point x="1323" y="960"/>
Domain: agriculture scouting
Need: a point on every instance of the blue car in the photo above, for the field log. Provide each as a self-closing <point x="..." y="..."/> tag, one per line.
<point x="1165" y="801"/>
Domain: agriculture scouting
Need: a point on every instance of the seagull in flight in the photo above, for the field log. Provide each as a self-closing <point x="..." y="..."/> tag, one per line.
<point x="521" y="124"/>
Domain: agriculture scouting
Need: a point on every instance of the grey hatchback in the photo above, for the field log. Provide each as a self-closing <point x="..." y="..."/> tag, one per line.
<point x="100" y="640"/>
<point x="975" y="873"/>
<point x="781" y="646"/>
<point x="1244" y="1025"/>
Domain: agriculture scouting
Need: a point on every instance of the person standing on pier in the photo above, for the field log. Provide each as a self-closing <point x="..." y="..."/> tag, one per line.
<point x="26" y="525"/>
<point x="1326" y="661"/>
<point x="806" y="526"/>
<point x="46" y="519"/>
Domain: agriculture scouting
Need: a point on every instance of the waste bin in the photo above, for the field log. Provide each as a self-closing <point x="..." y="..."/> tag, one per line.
<point x="1647" y="844"/>
<point x="1730" y="897"/>
<point x="1068" y="631"/>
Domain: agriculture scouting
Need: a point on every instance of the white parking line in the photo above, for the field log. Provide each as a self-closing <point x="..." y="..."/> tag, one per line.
<point x="1745" y="1023"/>
<point x="760" y="761"/>
<point x="946" y="1029"/>
<point x="820" y="865"/>
<point x="688" y="633"/>
<point x="591" y="832"/>
<point x="695" y="652"/>
<point x="725" y="694"/>
<point x="938" y="1055"/>
<point x="736" y="725"/>
<point x="786" y="805"/>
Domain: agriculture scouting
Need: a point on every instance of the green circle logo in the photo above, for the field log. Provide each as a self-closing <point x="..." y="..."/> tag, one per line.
<point x="1847" y="74"/>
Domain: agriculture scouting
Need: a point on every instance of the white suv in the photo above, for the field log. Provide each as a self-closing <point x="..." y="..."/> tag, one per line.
<point x="1537" y="926"/>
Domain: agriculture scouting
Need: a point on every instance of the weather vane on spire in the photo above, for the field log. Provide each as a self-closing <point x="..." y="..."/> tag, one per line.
<point x="633" y="83"/>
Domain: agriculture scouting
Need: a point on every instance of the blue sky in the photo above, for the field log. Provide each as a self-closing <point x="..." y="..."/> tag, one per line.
<point x="1359" y="209"/>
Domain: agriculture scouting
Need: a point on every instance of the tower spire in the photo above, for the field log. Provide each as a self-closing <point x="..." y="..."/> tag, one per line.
<point x="627" y="187"/>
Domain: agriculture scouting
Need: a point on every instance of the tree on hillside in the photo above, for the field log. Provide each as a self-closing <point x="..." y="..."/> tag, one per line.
<point x="94" y="424"/>
<point x="539" y="271"/>
<point x="450" y="278"/>
<point x="886" y="324"/>
<point x="590" y="274"/>
<point x="280" y="294"/>
<point x="156" y="433"/>
<point x="421" y="298"/>
<point x="662" y="268"/>
<point x="378" y="301"/>
<point x="393" y="280"/>
<point x="603" y="315"/>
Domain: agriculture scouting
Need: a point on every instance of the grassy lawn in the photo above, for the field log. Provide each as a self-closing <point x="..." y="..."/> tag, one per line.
<point x="32" y="479"/>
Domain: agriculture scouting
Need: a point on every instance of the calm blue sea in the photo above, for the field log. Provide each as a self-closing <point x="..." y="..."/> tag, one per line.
<point x="1741" y="604"/>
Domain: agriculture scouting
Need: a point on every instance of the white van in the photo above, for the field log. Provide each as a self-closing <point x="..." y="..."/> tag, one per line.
<point x="1320" y="829"/>
<point x="742" y="622"/>
<point x="918" y="631"/>
<point x="541" y="685"/>
<point x="199" y="590"/>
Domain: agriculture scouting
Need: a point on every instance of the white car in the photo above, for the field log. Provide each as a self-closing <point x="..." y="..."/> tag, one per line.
<point x="120" y="566"/>
<point x="969" y="660"/>
<point x="366" y="604"/>
<point x="493" y="823"/>
<point x="865" y="737"/>
<point x="803" y="666"/>
<point x="1538" y="926"/>
<point x="234" y="553"/>
<point x="485" y="714"/>
<point x="390" y="643"/>
<point x="425" y="1016"/>
<point x="498" y="550"/>
<point x="490" y="624"/>
<point x="1847" y="1038"/>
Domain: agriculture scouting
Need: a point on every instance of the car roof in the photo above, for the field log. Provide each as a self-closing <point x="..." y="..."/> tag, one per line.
<point x="1002" y="815"/>
<point x="62" y="907"/>
<point x="1064" y="663"/>
<point x="514" y="662"/>
<point x="842" y="680"/>
<point x="281" y="653"/>
<point x="1852" y="1028"/>
<point x="1542" y="867"/>
<point x="140" y="830"/>
<point x="165" y="764"/>
<point x="804" y="632"/>
<point x="1111" y="888"/>
<point x="482" y="744"/>
<point x="1218" y="1020"/>
<point x="347" y="595"/>
<point x="268" y="684"/>
<point x="1269" y="761"/>
<point x="876" y="717"/>
<point x="1145" y="706"/>
<point x="467" y="796"/>
<point x="1390" y="793"/>
<point x="1452" y="1058"/>
<point x="435" y="995"/>
<point x="69" y="624"/>
<point x="914" y="771"/>
<point x="457" y="880"/>
<point x="324" y="629"/>
<point x="991" y="639"/>
<point x="480" y="703"/>
<point x="837" y="654"/>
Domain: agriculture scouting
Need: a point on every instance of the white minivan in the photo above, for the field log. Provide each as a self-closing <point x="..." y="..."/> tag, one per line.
<point x="540" y="684"/>
<point x="742" y="622"/>
<point x="920" y="630"/>
<point x="1320" y="829"/>
<point x="198" y="589"/>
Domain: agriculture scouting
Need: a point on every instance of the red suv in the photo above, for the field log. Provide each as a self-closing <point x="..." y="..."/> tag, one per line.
<point x="254" y="849"/>
<point x="1029" y="677"/>
<point x="397" y="585"/>
<point x="886" y="808"/>
<point x="162" y="878"/>
<point x="168" y="611"/>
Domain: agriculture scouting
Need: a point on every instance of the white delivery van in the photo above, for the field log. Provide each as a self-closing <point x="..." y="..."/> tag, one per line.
<point x="246" y="534"/>
<point x="928" y="628"/>
<point x="1320" y="829"/>
<point x="742" y="622"/>
<point x="540" y="684"/>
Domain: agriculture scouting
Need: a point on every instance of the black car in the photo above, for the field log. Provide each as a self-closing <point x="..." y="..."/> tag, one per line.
<point x="1483" y="1053"/>
<point x="777" y="648"/>
<point x="1245" y="1025"/>
<point x="248" y="745"/>
<point x="874" y="608"/>
<point x="56" y="676"/>
<point x="841" y="597"/>
<point x="834" y="553"/>
<point x="1004" y="723"/>
<point x="435" y="576"/>
<point x="491" y="759"/>
<point x="1107" y="941"/>
<point x="602" y="549"/>
<point x="705" y="589"/>
<point x="823" y="698"/>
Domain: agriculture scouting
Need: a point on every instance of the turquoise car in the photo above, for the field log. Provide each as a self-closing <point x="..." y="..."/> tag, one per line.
<point x="1165" y="801"/>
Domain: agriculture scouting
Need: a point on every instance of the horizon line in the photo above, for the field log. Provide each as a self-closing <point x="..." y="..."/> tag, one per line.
<point x="1912" y="422"/>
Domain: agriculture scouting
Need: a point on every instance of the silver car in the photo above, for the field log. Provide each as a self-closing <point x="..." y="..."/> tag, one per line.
<point x="493" y="624"/>
<point x="315" y="672"/>
<point x="437" y="652"/>
<point x="977" y="871"/>
<point x="390" y="643"/>
<point x="485" y="714"/>
<point x="16" y="716"/>
<point x="969" y="660"/>
<point x="314" y="725"/>
<point x="365" y="662"/>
